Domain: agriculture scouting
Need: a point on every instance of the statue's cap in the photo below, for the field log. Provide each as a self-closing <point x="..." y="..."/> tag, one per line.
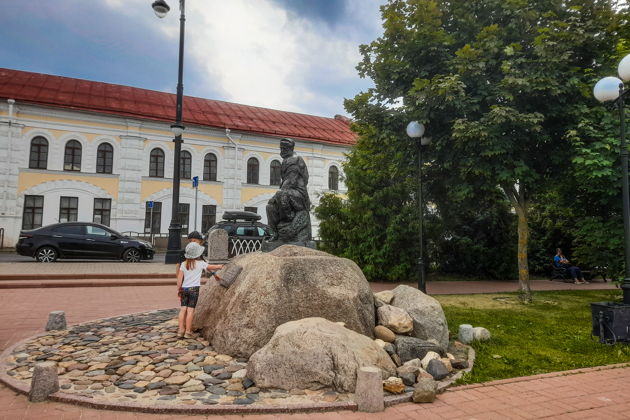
<point x="287" y="142"/>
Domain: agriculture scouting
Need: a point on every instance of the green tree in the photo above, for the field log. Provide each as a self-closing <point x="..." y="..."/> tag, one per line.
<point x="496" y="81"/>
<point x="381" y="216"/>
<point x="595" y="193"/>
<point x="333" y="215"/>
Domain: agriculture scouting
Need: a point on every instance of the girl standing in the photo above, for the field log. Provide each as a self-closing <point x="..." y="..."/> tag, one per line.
<point x="188" y="283"/>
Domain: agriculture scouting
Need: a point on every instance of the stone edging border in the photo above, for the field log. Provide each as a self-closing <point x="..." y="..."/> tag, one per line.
<point x="158" y="408"/>
<point x="540" y="376"/>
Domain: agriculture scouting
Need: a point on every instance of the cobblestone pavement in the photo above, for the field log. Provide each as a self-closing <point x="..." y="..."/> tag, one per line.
<point x="589" y="393"/>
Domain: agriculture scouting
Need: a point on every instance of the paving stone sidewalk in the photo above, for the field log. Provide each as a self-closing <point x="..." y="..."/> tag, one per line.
<point x="591" y="393"/>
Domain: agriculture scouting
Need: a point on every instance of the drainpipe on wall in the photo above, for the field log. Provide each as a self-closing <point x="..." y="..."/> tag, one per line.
<point x="236" y="171"/>
<point x="5" y="192"/>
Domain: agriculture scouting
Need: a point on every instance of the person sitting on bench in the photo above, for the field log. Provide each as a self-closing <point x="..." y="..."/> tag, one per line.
<point x="576" y="274"/>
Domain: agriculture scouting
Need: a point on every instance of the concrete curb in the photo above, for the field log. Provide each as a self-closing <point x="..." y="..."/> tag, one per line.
<point x="541" y="376"/>
<point x="85" y="276"/>
<point x="43" y="284"/>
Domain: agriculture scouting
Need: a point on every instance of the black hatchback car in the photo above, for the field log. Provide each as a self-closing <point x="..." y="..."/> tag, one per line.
<point x="81" y="240"/>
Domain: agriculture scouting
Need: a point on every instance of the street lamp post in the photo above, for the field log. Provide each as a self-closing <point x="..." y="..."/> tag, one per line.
<point x="612" y="89"/>
<point x="161" y="8"/>
<point x="415" y="130"/>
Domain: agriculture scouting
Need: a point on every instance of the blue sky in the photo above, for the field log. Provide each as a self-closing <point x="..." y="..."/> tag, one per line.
<point x="293" y="55"/>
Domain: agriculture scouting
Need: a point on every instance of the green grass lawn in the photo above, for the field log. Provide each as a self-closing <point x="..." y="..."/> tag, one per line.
<point x="552" y="334"/>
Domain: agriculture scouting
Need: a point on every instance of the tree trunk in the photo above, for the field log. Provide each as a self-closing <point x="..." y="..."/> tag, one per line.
<point x="517" y="198"/>
<point x="525" y="293"/>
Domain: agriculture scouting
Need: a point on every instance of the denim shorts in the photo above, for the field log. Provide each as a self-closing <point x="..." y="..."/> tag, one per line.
<point x="189" y="296"/>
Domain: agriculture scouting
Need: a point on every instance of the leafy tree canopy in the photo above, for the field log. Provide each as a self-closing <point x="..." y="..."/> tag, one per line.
<point x="501" y="86"/>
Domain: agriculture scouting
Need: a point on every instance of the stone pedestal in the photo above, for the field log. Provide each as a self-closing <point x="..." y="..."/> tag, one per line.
<point x="218" y="243"/>
<point x="56" y="321"/>
<point x="44" y="382"/>
<point x="369" y="391"/>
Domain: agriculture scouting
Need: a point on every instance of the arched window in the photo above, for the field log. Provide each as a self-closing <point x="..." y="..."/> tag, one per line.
<point x="252" y="171"/>
<point x="274" y="173"/>
<point x="185" y="162"/>
<point x="156" y="163"/>
<point x="104" y="158"/>
<point x="210" y="167"/>
<point x="333" y="178"/>
<point x="72" y="156"/>
<point x="39" y="153"/>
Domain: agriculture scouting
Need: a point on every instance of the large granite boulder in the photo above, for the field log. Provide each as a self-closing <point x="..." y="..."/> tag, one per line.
<point x="286" y="284"/>
<point x="314" y="353"/>
<point x="429" y="322"/>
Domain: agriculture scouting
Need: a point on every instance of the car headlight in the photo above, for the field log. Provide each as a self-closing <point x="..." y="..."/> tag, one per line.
<point x="147" y="244"/>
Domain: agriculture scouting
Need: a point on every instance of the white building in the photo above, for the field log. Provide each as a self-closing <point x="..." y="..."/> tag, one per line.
<point x="79" y="150"/>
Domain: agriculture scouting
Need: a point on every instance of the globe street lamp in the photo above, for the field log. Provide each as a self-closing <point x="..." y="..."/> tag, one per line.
<point x="612" y="89"/>
<point x="415" y="130"/>
<point x="161" y="8"/>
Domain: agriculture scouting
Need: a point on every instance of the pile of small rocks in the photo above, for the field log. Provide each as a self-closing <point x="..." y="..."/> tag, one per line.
<point x="417" y="360"/>
<point x="140" y="358"/>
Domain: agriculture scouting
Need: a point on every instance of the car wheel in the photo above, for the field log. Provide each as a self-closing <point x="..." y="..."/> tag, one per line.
<point x="131" y="255"/>
<point x="46" y="254"/>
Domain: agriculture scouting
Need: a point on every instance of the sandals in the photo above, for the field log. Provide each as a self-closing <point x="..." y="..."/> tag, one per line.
<point x="183" y="334"/>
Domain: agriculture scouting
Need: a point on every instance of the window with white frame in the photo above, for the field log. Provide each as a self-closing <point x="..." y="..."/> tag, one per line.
<point x="252" y="171"/>
<point x="33" y="212"/>
<point x="210" y="167"/>
<point x="68" y="209"/>
<point x="156" y="163"/>
<point x="102" y="211"/>
<point x="72" y="156"/>
<point x="104" y="158"/>
<point x="185" y="165"/>
<point x="275" y="175"/>
<point x="333" y="178"/>
<point x="38" y="158"/>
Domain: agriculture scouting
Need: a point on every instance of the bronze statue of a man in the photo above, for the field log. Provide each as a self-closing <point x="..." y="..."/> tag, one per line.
<point x="288" y="211"/>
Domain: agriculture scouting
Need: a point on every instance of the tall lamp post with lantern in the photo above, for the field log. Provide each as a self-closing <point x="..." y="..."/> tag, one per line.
<point x="161" y="9"/>
<point x="415" y="130"/>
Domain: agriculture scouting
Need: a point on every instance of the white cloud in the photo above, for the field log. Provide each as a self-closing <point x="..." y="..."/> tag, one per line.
<point x="256" y="53"/>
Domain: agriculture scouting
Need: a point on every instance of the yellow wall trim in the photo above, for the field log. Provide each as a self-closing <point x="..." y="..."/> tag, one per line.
<point x="28" y="180"/>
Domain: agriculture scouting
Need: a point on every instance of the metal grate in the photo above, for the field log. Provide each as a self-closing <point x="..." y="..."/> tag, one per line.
<point x="244" y="246"/>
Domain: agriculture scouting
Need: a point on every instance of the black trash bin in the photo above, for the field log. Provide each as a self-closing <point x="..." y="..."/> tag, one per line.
<point x="611" y="321"/>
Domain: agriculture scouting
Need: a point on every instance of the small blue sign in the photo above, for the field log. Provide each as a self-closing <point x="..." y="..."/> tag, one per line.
<point x="149" y="204"/>
<point x="195" y="181"/>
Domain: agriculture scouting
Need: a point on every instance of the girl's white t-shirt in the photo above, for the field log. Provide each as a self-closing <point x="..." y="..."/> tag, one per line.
<point x="192" y="278"/>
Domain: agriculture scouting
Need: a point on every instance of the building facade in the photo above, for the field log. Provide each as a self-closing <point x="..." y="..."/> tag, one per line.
<point x="89" y="151"/>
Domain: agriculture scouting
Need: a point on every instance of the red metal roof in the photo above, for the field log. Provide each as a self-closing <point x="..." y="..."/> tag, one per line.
<point x="128" y="101"/>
